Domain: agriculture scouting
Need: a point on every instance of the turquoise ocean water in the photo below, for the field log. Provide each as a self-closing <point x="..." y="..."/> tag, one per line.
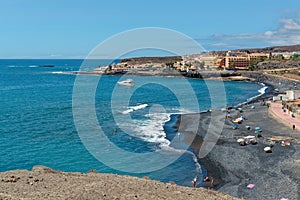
<point x="37" y="126"/>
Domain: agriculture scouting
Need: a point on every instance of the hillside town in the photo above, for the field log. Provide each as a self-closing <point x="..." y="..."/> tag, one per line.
<point x="211" y="61"/>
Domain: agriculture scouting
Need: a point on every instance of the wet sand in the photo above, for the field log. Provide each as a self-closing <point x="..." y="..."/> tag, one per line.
<point x="276" y="175"/>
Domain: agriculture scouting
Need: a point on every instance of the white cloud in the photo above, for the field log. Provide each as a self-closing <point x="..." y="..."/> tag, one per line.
<point x="288" y="33"/>
<point x="219" y="44"/>
<point x="289" y="25"/>
<point x="269" y="33"/>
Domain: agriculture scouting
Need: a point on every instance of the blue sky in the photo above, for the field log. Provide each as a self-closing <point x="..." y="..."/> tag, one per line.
<point x="72" y="28"/>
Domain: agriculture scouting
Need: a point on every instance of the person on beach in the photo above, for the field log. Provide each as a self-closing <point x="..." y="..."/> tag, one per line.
<point x="294" y="127"/>
<point x="212" y="181"/>
<point x="206" y="179"/>
<point x="195" y="182"/>
<point x="178" y="134"/>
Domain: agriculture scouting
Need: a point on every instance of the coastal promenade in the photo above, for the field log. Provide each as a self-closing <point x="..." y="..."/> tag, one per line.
<point x="285" y="117"/>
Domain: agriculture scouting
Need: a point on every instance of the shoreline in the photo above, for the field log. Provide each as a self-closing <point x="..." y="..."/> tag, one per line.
<point x="205" y="75"/>
<point x="232" y="179"/>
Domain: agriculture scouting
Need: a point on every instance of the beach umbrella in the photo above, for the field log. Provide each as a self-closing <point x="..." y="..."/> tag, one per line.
<point x="257" y="128"/>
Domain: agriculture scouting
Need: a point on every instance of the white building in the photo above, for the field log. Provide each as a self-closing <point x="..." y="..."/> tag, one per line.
<point x="290" y="95"/>
<point x="293" y="94"/>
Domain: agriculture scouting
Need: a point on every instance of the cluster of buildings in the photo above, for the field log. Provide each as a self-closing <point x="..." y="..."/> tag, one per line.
<point x="231" y="60"/>
<point x="206" y="61"/>
<point x="241" y="60"/>
<point x="291" y="101"/>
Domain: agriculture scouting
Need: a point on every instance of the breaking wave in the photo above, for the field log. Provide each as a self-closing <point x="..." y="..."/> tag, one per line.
<point x="134" y="108"/>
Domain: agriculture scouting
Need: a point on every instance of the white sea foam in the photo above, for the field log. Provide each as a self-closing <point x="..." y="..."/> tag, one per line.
<point x="261" y="92"/>
<point x="58" y="72"/>
<point x="181" y="111"/>
<point x="134" y="108"/>
<point x="152" y="130"/>
<point x="263" y="89"/>
<point x="142" y="106"/>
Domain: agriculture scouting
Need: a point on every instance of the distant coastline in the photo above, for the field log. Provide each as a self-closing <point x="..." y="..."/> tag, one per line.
<point x="220" y="65"/>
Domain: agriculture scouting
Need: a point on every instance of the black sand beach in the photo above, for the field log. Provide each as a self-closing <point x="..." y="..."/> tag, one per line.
<point x="275" y="175"/>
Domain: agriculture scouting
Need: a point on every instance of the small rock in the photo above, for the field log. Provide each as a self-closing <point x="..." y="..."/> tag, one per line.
<point x="92" y="171"/>
<point x="43" y="169"/>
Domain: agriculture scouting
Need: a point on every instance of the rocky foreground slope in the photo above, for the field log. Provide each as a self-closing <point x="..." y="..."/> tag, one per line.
<point x="46" y="183"/>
